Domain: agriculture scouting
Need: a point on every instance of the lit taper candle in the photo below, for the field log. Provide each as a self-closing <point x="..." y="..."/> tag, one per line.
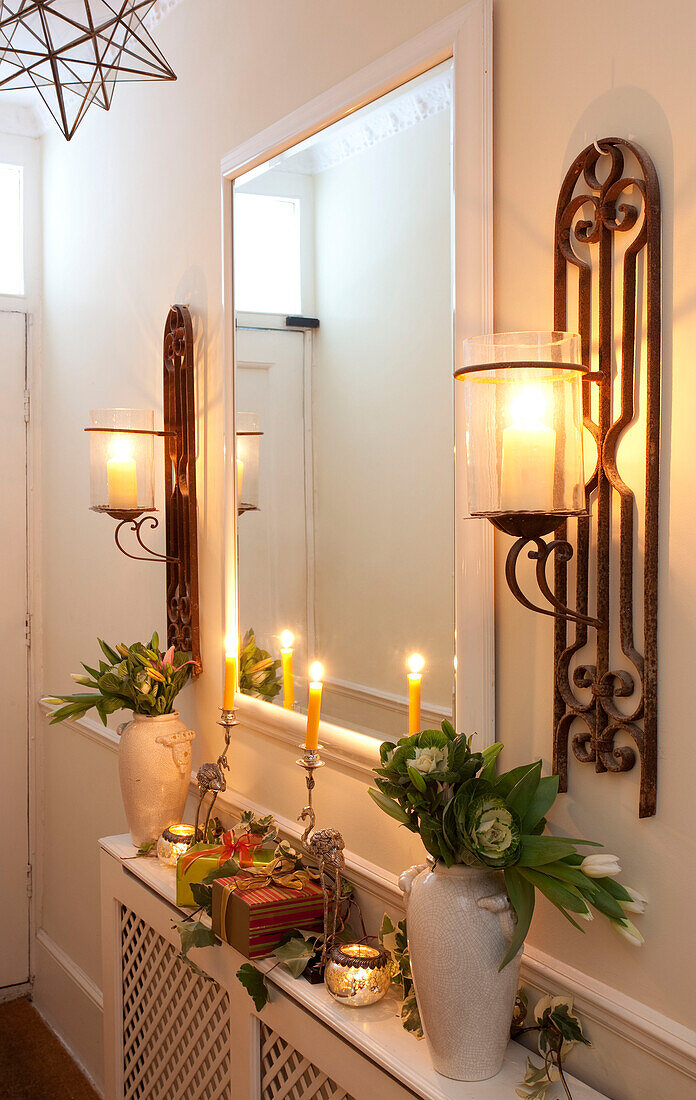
<point x="314" y="707"/>
<point x="230" y="673"/>
<point x="286" y="640"/>
<point x="415" y="663"/>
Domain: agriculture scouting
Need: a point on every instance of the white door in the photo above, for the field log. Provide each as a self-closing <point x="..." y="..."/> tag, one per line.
<point x="274" y="589"/>
<point x="14" y="827"/>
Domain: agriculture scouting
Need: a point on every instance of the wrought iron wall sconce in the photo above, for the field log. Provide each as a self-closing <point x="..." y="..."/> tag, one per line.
<point x="247" y="457"/>
<point x="527" y="398"/>
<point x="122" y="480"/>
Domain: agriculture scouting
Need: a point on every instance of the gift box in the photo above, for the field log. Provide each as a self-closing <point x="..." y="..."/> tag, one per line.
<point x="253" y="914"/>
<point x="203" y="858"/>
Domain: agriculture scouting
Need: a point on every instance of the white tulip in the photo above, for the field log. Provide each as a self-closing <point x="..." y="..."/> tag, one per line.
<point x="603" y="866"/>
<point x="628" y="931"/>
<point x="637" y="904"/>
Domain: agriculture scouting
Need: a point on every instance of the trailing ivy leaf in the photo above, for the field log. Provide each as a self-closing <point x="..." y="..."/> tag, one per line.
<point x="568" y="1025"/>
<point x="387" y="927"/>
<point x="194" y="933"/>
<point x="410" y="1016"/>
<point x="536" y="1083"/>
<point x="390" y="807"/>
<point x="203" y="896"/>
<point x="296" y="954"/>
<point x="255" y="984"/>
<point x="146" y="847"/>
<point x="521" y="894"/>
<point x="225" y="870"/>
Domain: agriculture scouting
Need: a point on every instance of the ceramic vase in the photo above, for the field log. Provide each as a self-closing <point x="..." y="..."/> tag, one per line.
<point x="154" y="766"/>
<point x="460" y="923"/>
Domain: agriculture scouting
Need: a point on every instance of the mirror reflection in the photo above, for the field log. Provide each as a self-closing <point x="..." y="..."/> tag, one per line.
<point x="344" y="415"/>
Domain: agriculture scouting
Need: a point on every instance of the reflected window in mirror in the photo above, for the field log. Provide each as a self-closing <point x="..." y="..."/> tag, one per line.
<point x="343" y="368"/>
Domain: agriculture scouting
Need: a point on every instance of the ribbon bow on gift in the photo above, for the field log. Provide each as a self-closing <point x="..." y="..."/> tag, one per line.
<point x="228" y="848"/>
<point x="279" y="872"/>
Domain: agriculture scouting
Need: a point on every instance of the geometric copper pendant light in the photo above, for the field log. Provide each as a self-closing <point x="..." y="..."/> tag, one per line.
<point x="73" y="52"/>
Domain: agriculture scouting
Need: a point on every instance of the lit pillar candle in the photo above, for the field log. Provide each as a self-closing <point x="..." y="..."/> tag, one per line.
<point x="240" y="479"/>
<point x="314" y="707"/>
<point x="529" y="455"/>
<point x="415" y="663"/>
<point x="286" y="640"/>
<point x="230" y="673"/>
<point x="121" y="479"/>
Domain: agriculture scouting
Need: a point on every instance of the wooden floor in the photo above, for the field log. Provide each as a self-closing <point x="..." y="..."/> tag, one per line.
<point x="33" y="1063"/>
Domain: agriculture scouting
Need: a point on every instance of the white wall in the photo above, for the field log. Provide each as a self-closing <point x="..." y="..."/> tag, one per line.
<point x="382" y="414"/>
<point x="132" y="210"/>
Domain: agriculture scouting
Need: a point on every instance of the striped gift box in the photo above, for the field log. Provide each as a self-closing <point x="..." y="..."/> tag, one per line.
<point x="254" y="921"/>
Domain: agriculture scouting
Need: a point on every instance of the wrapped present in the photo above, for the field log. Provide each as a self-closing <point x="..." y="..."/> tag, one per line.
<point x="254" y="910"/>
<point x="200" y="859"/>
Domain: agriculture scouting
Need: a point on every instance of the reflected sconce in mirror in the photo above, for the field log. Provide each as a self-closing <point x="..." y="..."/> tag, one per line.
<point x="528" y="397"/>
<point x="248" y="456"/>
<point x="122" y="461"/>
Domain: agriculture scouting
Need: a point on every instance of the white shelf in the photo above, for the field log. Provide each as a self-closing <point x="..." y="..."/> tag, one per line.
<point x="376" y="1031"/>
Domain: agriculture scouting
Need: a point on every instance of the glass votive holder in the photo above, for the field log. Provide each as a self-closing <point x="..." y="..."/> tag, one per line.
<point x="357" y="974"/>
<point x="174" y="842"/>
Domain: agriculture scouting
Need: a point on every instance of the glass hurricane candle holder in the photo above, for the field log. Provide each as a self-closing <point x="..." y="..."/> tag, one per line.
<point x="357" y="975"/>
<point x="524" y="423"/>
<point x="122" y="461"/>
<point x="248" y="454"/>
<point x="174" y="842"/>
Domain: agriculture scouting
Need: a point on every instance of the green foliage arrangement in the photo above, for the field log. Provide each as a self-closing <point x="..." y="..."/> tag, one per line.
<point x="559" y="1031"/>
<point x="258" y="670"/>
<point x="436" y="786"/>
<point x="395" y="938"/>
<point x="138" y="677"/>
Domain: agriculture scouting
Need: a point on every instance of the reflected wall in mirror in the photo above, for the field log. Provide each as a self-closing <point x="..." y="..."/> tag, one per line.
<point x="343" y="300"/>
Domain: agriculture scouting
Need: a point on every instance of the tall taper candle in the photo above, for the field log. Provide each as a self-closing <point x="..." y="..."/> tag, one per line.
<point x="415" y="663"/>
<point x="286" y="640"/>
<point x="230" y="673"/>
<point x="314" y="707"/>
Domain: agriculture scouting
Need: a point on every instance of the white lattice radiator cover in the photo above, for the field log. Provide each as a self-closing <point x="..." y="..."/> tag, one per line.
<point x="176" y="1025"/>
<point x="287" y="1075"/>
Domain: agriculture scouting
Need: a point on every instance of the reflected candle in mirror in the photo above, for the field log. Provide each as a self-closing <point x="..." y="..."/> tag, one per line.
<point x="240" y="479"/>
<point x="121" y="478"/>
<point x="529" y="454"/>
<point x="415" y="663"/>
<point x="286" y="640"/>
<point x="230" y="674"/>
<point x="314" y="707"/>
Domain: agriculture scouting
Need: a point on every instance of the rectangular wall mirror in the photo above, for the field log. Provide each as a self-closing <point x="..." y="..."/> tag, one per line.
<point x="344" y="409"/>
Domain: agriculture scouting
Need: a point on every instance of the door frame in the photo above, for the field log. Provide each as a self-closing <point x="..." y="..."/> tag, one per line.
<point x="466" y="37"/>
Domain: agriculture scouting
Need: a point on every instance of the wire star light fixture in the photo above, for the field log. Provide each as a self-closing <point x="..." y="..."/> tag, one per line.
<point x="74" y="51"/>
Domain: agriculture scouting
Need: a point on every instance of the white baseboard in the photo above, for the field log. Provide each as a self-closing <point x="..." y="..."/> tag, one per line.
<point x="90" y="989"/>
<point x="14" y="992"/>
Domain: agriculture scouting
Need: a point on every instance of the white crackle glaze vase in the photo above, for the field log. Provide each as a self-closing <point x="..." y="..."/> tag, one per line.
<point x="460" y="923"/>
<point x="154" y="766"/>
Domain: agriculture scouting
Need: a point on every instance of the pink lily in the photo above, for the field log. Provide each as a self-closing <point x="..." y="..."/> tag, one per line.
<point x="168" y="658"/>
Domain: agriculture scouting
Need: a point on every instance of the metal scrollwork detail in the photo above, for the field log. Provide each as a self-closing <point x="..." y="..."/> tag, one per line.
<point x="594" y="206"/>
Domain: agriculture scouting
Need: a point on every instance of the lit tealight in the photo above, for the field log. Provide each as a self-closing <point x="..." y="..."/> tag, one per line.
<point x="174" y="842"/>
<point x="416" y="663"/>
<point x="357" y="974"/>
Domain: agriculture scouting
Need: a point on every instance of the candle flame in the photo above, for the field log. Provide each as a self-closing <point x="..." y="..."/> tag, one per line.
<point x="286" y="639"/>
<point x="416" y="662"/>
<point x="316" y="672"/>
<point x="529" y="406"/>
<point x="121" y="448"/>
<point x="231" y="645"/>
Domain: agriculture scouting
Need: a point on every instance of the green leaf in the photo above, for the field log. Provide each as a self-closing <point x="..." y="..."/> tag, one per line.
<point x="490" y="754"/>
<point x="146" y="847"/>
<point x="387" y="927"/>
<point x="537" y="850"/>
<point x="614" y="888"/>
<point x="505" y="782"/>
<point x="154" y="644"/>
<point x="194" y="933"/>
<point x="296" y="953"/>
<point x="203" y="896"/>
<point x="568" y="1025"/>
<point x="542" y="801"/>
<point x="449" y="729"/>
<point x="390" y="807"/>
<point x="255" y="984"/>
<point x="604" y="902"/>
<point x="520" y="797"/>
<point x="410" y="1016"/>
<point x="521" y="894"/>
<point x="563" y="896"/>
<point x="110" y="654"/>
<point x="417" y="779"/>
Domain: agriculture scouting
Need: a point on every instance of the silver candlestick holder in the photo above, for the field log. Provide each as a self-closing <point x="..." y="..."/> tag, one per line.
<point x="211" y="777"/>
<point x="326" y="846"/>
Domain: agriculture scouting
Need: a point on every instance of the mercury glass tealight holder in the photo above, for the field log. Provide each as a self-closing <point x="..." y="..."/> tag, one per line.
<point x="174" y="842"/>
<point x="357" y="974"/>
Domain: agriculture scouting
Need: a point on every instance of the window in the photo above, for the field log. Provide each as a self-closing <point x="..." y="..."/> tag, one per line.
<point x="11" y="229"/>
<point x="267" y="272"/>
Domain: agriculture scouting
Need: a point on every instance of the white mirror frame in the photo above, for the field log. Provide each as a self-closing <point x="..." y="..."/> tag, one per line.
<point x="466" y="37"/>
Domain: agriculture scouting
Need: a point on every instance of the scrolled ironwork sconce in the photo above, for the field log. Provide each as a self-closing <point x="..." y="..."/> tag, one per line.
<point x="122" y="480"/>
<point x="528" y="397"/>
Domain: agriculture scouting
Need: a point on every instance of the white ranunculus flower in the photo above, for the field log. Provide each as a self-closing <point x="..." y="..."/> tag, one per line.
<point x="602" y="866"/>
<point x="628" y="930"/>
<point x="428" y="760"/>
<point x="637" y="904"/>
